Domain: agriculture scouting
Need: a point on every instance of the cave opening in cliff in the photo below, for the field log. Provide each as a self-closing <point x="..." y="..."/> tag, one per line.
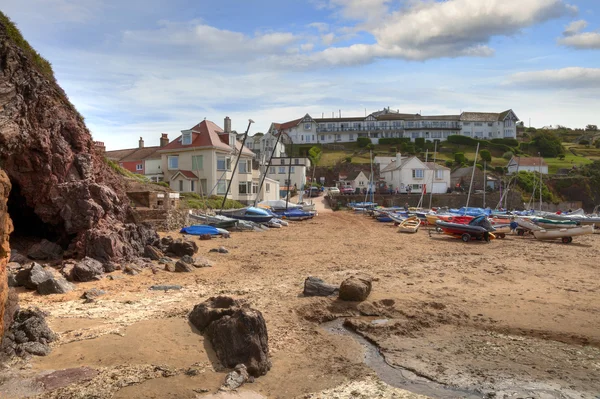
<point x="27" y="224"/>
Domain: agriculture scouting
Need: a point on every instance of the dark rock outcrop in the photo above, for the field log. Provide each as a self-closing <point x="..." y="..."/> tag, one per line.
<point x="152" y="252"/>
<point x="54" y="286"/>
<point x="242" y="339"/>
<point x="87" y="269"/>
<point x="5" y="230"/>
<point x="314" y="286"/>
<point x="35" y="277"/>
<point x="28" y="334"/>
<point x="62" y="187"/>
<point x="356" y="288"/>
<point x="45" y="250"/>
<point x="237" y="333"/>
<point x="183" y="267"/>
<point x="182" y="247"/>
<point x="213" y="309"/>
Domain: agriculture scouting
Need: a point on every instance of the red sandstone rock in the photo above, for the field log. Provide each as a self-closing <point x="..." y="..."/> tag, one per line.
<point x="5" y="230"/>
<point x="61" y="184"/>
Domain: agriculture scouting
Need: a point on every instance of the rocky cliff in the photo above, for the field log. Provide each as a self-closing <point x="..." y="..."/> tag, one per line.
<point x="62" y="189"/>
<point x="5" y="230"/>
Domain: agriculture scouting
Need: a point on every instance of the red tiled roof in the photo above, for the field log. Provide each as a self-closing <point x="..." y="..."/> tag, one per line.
<point x="289" y="124"/>
<point x="207" y="134"/>
<point x="523" y="161"/>
<point x="187" y="173"/>
<point x="142" y="153"/>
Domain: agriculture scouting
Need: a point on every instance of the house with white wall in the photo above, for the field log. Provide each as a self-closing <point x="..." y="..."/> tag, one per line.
<point x="415" y="176"/>
<point x="356" y="180"/>
<point x="289" y="171"/>
<point x="393" y="124"/>
<point x="488" y="125"/>
<point x="141" y="160"/>
<point x="201" y="161"/>
<point x="528" y="164"/>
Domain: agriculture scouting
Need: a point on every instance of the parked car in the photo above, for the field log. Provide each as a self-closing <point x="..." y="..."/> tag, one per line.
<point x="312" y="192"/>
<point x="333" y="191"/>
<point x="347" y="190"/>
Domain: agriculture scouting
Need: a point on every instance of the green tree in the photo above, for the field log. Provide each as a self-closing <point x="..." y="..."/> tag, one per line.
<point x="508" y="155"/>
<point x="486" y="155"/>
<point x="548" y="144"/>
<point x="591" y="127"/>
<point x="363" y="141"/>
<point x="314" y="154"/>
<point x="420" y="143"/>
<point x="459" y="158"/>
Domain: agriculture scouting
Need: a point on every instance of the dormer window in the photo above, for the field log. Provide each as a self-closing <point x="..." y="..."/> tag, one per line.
<point x="186" y="139"/>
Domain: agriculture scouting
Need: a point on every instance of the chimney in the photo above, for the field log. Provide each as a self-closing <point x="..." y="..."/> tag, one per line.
<point x="398" y="159"/>
<point x="100" y="147"/>
<point x="164" y="139"/>
<point x="141" y="143"/>
<point x="227" y="125"/>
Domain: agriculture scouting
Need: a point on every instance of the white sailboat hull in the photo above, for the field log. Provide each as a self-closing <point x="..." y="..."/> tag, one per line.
<point x="563" y="232"/>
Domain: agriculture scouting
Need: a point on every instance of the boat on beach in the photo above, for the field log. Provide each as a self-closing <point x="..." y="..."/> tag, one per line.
<point x="564" y="234"/>
<point x="248" y="213"/>
<point x="479" y="228"/>
<point x="409" y="225"/>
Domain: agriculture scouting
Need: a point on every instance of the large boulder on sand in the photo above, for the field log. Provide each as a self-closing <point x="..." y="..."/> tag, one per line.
<point x="32" y="276"/>
<point x="213" y="309"/>
<point x="182" y="247"/>
<point x="87" y="269"/>
<point x="28" y="334"/>
<point x="314" y="286"/>
<point x="152" y="252"/>
<point x="242" y="339"/>
<point x="237" y="333"/>
<point x="356" y="288"/>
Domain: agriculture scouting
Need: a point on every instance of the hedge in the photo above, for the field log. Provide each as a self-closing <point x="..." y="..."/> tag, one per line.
<point x="394" y="140"/>
<point x="363" y="141"/>
<point x="465" y="140"/>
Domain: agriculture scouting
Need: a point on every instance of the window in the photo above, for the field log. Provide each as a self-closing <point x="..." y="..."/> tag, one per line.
<point x="245" y="187"/>
<point x="254" y="188"/>
<point x="508" y="133"/>
<point x="322" y="137"/>
<point x="416" y="135"/>
<point x="282" y="162"/>
<point x="228" y="161"/>
<point x="478" y="124"/>
<point x="330" y="126"/>
<point x="173" y="162"/>
<point x="417" y="173"/>
<point x="282" y="170"/>
<point x="245" y="166"/>
<point x="490" y="123"/>
<point x="297" y="161"/>
<point x="338" y="136"/>
<point x="439" y="174"/>
<point x="436" y="135"/>
<point x="416" y="186"/>
<point x="396" y="124"/>
<point x="222" y="187"/>
<point x="313" y="137"/>
<point x="361" y="183"/>
<point x="272" y="170"/>
<point x="466" y="123"/>
<point x="197" y="162"/>
<point x="186" y="139"/>
<point x="192" y="186"/>
<point x="139" y="166"/>
<point x="302" y="138"/>
<point x="268" y="187"/>
<point x="351" y="136"/>
<point x="292" y="169"/>
<point x="357" y="125"/>
<point x="321" y="126"/>
<point x="180" y="185"/>
<point x="223" y="163"/>
<point x="383" y="125"/>
<point x="307" y="126"/>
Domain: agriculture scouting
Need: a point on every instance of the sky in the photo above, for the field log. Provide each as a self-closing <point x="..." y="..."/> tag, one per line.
<point x="145" y="67"/>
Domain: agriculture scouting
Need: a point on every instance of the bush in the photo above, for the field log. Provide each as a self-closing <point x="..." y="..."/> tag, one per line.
<point x="448" y="164"/>
<point x="393" y="150"/>
<point x="479" y="166"/>
<point x="420" y="142"/>
<point x="348" y="159"/>
<point x="393" y="140"/>
<point x="456" y="139"/>
<point x="363" y="141"/>
<point x="561" y="157"/>
<point x="499" y="170"/>
<point x="459" y="158"/>
<point x="597" y="144"/>
<point x="508" y="142"/>
<point x="486" y="155"/>
<point x="584" y="142"/>
<point x="508" y="155"/>
<point x="408" y="148"/>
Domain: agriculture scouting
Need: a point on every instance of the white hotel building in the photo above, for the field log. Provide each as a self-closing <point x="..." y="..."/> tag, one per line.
<point x="391" y="124"/>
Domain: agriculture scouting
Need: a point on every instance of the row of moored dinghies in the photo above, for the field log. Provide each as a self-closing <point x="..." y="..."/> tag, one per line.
<point x="469" y="223"/>
<point x="266" y="215"/>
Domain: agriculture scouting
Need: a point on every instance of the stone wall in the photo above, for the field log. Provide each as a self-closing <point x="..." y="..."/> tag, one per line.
<point x="163" y="220"/>
<point x="453" y="200"/>
<point x="5" y="230"/>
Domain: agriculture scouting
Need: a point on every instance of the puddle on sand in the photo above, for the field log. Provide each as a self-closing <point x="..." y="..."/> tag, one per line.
<point x="397" y="376"/>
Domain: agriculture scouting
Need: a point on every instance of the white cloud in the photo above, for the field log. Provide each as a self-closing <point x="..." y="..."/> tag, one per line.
<point x="57" y="11"/>
<point x="574" y="37"/>
<point x="575" y="27"/>
<point x="320" y="26"/>
<point x="566" y="78"/>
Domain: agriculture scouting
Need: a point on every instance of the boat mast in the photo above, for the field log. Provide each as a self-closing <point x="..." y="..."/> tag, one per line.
<point x="287" y="196"/>
<point x="371" y="179"/>
<point x="484" y="181"/>
<point x="420" y="204"/>
<point x="472" y="176"/>
<point x="433" y="174"/>
<point x="541" y="185"/>
<point x="250" y="122"/>
<point x="264" y="175"/>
